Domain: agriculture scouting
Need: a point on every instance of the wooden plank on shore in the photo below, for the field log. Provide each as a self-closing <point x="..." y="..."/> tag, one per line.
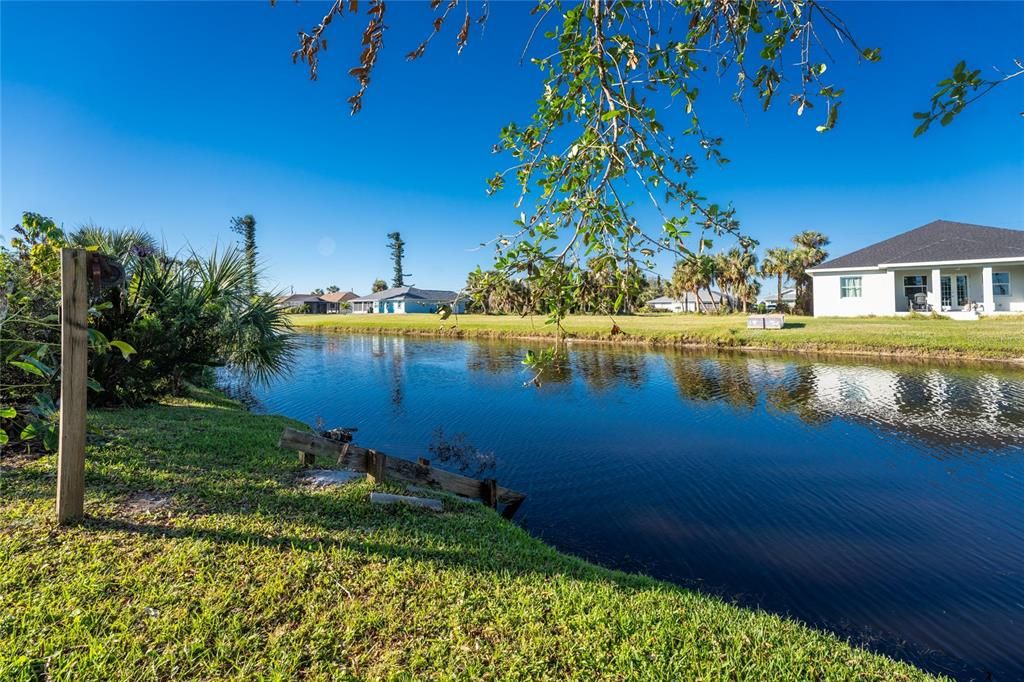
<point x="354" y="456"/>
<point x="393" y="468"/>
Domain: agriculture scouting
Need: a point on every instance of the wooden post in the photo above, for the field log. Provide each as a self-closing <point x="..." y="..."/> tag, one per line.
<point x="73" y="374"/>
<point x="375" y="466"/>
<point x="489" y="492"/>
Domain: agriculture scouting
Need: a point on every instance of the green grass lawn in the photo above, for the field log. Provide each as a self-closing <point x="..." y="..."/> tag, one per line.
<point x="202" y="558"/>
<point x="996" y="337"/>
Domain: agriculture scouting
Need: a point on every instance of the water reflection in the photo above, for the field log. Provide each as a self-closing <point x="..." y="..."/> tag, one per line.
<point x="882" y="501"/>
<point x="946" y="408"/>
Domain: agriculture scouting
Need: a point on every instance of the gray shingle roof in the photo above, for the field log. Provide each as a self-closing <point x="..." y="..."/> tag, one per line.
<point x="299" y="298"/>
<point x="939" y="240"/>
<point x="410" y="292"/>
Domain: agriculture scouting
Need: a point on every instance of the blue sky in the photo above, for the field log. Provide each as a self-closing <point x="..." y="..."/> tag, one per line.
<point x="175" y="116"/>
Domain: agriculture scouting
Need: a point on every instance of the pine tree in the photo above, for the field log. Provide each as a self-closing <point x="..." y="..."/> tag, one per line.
<point x="397" y="247"/>
<point x="245" y="226"/>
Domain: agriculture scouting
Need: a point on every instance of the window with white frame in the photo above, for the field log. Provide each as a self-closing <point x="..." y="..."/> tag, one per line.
<point x="1000" y="284"/>
<point x="849" y="287"/>
<point x="915" y="284"/>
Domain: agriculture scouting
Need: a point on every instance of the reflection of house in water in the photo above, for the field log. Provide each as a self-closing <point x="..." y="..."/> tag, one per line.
<point x="940" y="408"/>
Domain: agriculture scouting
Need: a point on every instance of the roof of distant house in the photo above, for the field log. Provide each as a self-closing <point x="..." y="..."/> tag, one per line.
<point x="938" y="241"/>
<point x="788" y="294"/>
<point x="298" y="298"/>
<point x="410" y="292"/>
<point x="339" y="296"/>
<point x="703" y="296"/>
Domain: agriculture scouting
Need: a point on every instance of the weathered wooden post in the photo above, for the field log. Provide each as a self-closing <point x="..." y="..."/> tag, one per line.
<point x="489" y="492"/>
<point x="73" y="375"/>
<point x="375" y="463"/>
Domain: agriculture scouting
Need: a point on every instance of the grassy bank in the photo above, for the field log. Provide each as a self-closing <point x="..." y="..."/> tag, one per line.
<point x="1000" y="338"/>
<point x="203" y="558"/>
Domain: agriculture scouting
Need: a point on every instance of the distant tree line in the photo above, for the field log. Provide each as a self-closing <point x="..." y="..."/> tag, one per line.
<point x="606" y="285"/>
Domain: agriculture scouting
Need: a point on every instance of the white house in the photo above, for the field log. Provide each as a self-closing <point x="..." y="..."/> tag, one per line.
<point x="771" y="301"/>
<point x="400" y="300"/>
<point x="943" y="266"/>
<point x="689" y="303"/>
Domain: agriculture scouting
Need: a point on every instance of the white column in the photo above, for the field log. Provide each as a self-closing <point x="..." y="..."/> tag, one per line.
<point x="935" y="291"/>
<point x="986" y="289"/>
<point x="890" y="306"/>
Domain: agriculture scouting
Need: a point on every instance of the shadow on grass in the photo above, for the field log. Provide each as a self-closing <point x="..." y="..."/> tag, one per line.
<point x="228" y="483"/>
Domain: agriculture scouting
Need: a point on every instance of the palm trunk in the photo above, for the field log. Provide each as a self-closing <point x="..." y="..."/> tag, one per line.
<point x="697" y="302"/>
<point x="778" y="301"/>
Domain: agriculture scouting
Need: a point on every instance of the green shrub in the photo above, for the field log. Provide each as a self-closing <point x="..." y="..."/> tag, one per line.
<point x="173" y="319"/>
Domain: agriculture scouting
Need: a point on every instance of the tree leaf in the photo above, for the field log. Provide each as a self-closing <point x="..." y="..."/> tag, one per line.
<point x="28" y="367"/>
<point x="94" y="385"/>
<point x="98" y="339"/>
<point x="126" y="348"/>
<point x="3" y="437"/>
<point x="8" y="412"/>
<point x="50" y="439"/>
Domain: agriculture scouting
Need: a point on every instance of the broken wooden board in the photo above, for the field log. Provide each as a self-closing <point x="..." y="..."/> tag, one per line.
<point x="387" y="467"/>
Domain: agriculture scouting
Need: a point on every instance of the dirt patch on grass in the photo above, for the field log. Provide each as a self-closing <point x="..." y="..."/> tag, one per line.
<point x="328" y="478"/>
<point x="145" y="503"/>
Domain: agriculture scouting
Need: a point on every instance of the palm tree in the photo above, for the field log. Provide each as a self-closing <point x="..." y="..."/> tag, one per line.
<point x="746" y="272"/>
<point x="809" y="252"/>
<point x="125" y="246"/>
<point x="725" y="272"/>
<point x="735" y="272"/>
<point x="777" y="263"/>
<point x="690" y="275"/>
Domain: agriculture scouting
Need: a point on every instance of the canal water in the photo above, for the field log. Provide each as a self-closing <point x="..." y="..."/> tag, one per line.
<point x="884" y="502"/>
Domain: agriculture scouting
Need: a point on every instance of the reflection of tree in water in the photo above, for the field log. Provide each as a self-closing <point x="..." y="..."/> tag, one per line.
<point x="713" y="380"/>
<point x="603" y="369"/>
<point x="492" y="358"/>
<point x="397" y="383"/>
<point x="379" y="348"/>
<point x="797" y="395"/>
<point x="459" y="451"/>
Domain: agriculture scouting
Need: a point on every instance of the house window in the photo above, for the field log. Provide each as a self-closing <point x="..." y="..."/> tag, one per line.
<point x="915" y="284"/>
<point x="1000" y="284"/>
<point x="849" y="287"/>
<point x="946" y="285"/>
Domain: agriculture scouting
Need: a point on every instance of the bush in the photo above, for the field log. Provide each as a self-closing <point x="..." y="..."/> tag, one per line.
<point x="176" y="317"/>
